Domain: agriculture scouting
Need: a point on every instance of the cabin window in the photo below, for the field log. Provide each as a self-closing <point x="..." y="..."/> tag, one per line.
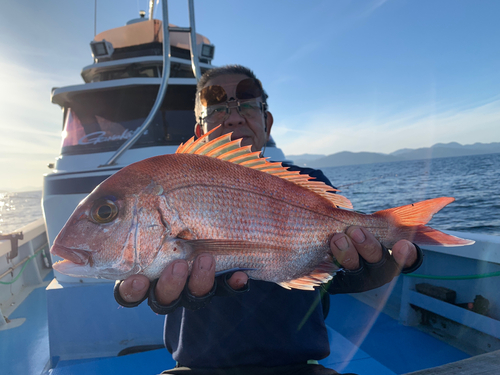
<point x="103" y="120"/>
<point x="130" y="71"/>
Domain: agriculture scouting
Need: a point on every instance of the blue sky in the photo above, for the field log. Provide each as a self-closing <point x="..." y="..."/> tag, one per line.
<point x="374" y="75"/>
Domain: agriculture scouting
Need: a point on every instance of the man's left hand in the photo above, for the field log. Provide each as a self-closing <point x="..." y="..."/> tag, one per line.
<point x="358" y="242"/>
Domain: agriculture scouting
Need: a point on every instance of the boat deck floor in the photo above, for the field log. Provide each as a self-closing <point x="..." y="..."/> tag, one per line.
<point x="24" y="349"/>
<point x="362" y="340"/>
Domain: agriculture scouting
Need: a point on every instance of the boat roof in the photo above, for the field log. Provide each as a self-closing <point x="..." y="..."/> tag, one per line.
<point x="148" y="31"/>
<point x="90" y="71"/>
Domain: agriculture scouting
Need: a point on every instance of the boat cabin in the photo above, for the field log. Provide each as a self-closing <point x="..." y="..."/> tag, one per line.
<point x="121" y="87"/>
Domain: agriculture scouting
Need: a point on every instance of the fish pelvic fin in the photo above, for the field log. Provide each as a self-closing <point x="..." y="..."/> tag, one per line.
<point x="224" y="148"/>
<point x="321" y="275"/>
<point x="409" y="220"/>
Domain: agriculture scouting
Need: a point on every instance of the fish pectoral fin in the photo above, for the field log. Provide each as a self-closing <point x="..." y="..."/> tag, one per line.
<point x="320" y="275"/>
<point x="186" y="234"/>
<point x="228" y="246"/>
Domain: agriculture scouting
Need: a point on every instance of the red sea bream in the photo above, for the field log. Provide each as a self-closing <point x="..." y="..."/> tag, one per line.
<point x="221" y="198"/>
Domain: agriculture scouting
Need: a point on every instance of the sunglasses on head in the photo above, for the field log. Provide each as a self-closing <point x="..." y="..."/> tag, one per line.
<point x="248" y="88"/>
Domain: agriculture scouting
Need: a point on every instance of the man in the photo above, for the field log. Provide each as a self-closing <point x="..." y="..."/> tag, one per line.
<point x="263" y="328"/>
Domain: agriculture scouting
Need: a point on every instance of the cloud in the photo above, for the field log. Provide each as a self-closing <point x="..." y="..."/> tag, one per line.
<point x="373" y="7"/>
<point x="30" y="130"/>
<point x="416" y="128"/>
<point x="304" y="51"/>
<point x="343" y="18"/>
<point x="25" y="91"/>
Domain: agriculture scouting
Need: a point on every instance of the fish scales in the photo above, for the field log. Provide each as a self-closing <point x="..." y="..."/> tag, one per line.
<point x="270" y="203"/>
<point x="264" y="211"/>
<point x="276" y="228"/>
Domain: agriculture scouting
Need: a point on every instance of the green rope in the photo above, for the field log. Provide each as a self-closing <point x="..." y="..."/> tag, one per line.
<point x="464" y="277"/>
<point x="22" y="269"/>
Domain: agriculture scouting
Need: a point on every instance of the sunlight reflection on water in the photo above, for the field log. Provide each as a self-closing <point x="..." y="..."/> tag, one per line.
<point x="19" y="209"/>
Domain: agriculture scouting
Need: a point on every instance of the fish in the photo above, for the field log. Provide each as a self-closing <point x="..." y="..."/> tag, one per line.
<point x="221" y="198"/>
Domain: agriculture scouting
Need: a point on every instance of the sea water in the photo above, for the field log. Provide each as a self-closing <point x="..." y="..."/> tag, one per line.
<point x="19" y="209"/>
<point x="472" y="180"/>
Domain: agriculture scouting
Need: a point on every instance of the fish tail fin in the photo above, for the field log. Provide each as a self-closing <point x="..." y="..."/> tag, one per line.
<point x="409" y="223"/>
<point x="425" y="235"/>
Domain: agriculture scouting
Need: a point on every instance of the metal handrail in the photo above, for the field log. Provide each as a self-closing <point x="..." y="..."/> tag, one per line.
<point x="195" y="62"/>
<point x="13" y="238"/>
<point x="27" y="259"/>
<point x="165" y="76"/>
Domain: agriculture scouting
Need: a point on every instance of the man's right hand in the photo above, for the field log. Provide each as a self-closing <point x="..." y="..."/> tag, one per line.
<point x="173" y="279"/>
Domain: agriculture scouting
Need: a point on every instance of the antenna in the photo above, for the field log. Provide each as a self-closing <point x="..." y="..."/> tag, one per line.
<point x="151" y="8"/>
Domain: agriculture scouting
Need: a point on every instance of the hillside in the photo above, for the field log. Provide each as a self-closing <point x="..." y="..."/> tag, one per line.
<point x="439" y="150"/>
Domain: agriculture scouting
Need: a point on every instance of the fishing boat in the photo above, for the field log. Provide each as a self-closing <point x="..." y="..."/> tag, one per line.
<point x="136" y="102"/>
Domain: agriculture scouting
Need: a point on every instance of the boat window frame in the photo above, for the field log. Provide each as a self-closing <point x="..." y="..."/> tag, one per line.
<point x="173" y="124"/>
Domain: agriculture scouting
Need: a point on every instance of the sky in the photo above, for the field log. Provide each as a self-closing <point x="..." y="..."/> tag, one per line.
<point x="364" y="75"/>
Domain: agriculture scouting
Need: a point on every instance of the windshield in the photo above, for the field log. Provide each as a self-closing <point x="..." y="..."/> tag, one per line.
<point x="102" y="121"/>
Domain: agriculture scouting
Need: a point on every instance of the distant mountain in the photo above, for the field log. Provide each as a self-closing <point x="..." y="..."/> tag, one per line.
<point x="304" y="159"/>
<point x="444" y="150"/>
<point x="351" y="158"/>
<point x="439" y="150"/>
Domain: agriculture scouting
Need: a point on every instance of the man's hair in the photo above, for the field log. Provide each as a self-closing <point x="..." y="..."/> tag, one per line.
<point x="216" y="72"/>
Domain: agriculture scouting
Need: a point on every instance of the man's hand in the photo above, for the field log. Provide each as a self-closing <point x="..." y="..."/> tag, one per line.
<point x="173" y="279"/>
<point x="347" y="248"/>
<point x="366" y="263"/>
<point x="357" y="241"/>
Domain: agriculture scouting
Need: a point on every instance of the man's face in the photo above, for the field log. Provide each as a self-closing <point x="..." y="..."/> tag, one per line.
<point x="251" y="129"/>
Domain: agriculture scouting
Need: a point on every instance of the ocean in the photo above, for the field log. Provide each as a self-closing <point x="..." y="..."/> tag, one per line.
<point x="472" y="180"/>
<point x="19" y="209"/>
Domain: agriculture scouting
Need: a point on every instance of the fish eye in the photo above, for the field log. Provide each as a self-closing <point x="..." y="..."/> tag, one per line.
<point x="104" y="211"/>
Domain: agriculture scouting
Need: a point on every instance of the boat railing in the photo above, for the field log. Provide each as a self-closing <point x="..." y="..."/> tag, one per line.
<point x="24" y="268"/>
<point x="468" y="272"/>
<point x="165" y="74"/>
<point x="14" y="242"/>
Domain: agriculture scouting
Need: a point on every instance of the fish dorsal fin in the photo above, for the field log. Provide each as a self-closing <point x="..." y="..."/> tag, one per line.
<point x="225" y="149"/>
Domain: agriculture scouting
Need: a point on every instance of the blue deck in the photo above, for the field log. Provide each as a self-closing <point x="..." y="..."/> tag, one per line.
<point x="400" y="348"/>
<point x="362" y="341"/>
<point x="25" y="349"/>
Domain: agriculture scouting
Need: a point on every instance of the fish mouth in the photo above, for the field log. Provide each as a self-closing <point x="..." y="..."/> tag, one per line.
<point x="75" y="256"/>
<point x="66" y="267"/>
